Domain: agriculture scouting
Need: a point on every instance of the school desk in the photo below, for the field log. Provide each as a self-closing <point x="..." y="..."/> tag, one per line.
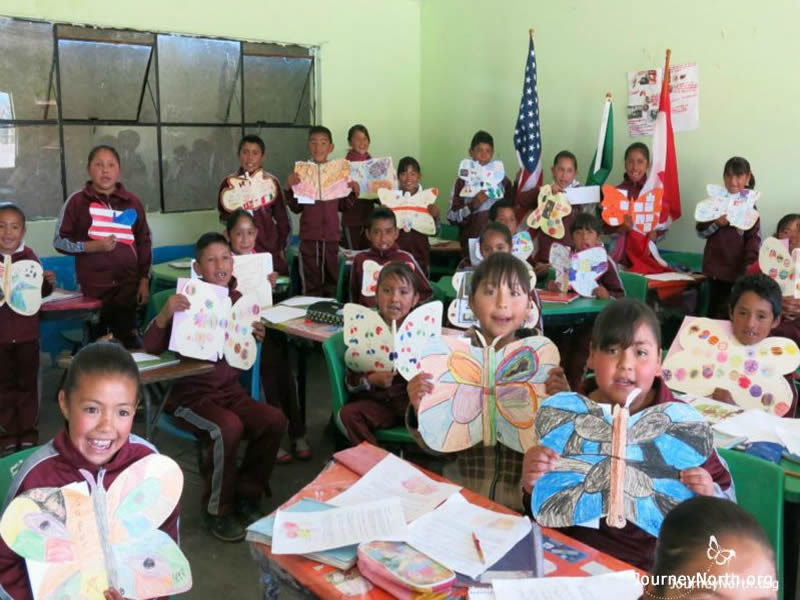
<point x="165" y="277"/>
<point x="81" y="308"/>
<point x="568" y="558"/>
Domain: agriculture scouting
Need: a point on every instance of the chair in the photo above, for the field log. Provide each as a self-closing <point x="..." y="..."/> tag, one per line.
<point x="9" y="466"/>
<point x="164" y="254"/>
<point x="635" y="285"/>
<point x="342" y="281"/>
<point x="333" y="348"/>
<point x="448" y="232"/>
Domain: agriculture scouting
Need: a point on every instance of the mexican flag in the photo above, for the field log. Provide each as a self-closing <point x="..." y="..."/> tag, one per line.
<point x="603" y="159"/>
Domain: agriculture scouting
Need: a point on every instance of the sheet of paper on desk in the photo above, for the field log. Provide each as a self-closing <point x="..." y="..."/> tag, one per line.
<point x="670" y="277"/>
<point x="181" y="264"/>
<point x="281" y="313"/>
<point x="304" y="300"/>
<point x="59" y="295"/>
<point x="301" y="533"/>
<point x="759" y="426"/>
<point x="394" y="477"/>
<point x="480" y="593"/>
<point x="445" y="535"/>
<point x="623" y="585"/>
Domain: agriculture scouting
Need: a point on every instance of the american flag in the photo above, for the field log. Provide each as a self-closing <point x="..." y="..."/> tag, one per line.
<point x="527" y="134"/>
<point x="107" y="221"/>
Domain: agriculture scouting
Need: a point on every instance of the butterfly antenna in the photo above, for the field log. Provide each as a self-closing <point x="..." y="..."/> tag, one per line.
<point x="632" y="396"/>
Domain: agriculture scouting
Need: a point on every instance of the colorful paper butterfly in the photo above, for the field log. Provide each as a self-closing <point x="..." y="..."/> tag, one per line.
<point x="482" y="178"/>
<point x="373" y="175"/>
<point x="21" y="286"/>
<point x="579" y="270"/>
<point x="738" y="208"/>
<point x="107" y="222"/>
<point x="459" y="313"/>
<point x="779" y="264"/>
<point x="705" y="355"/>
<point x="482" y="394"/>
<point x="521" y="247"/>
<point x="372" y="345"/>
<point x="248" y="191"/>
<point x="327" y="181"/>
<point x="549" y="214"/>
<point x="641" y="487"/>
<point x="77" y="545"/>
<point x="411" y="211"/>
<point x="644" y="211"/>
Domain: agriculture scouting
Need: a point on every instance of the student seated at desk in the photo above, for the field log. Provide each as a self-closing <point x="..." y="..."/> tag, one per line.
<point x="98" y="402"/>
<point x="625" y="355"/>
<point x="378" y="400"/>
<point x="217" y="409"/>
<point x="499" y="299"/>
<point x="19" y="345"/>
<point x="382" y="234"/>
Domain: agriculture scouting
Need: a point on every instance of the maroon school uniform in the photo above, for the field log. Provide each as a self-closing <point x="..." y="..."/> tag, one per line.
<point x="417" y="245"/>
<point x="369" y="409"/>
<point x="354" y="218"/>
<point x="56" y="464"/>
<point x="619" y="236"/>
<point x="19" y="369"/>
<point x="544" y="241"/>
<point x="215" y="407"/>
<point x="471" y="223"/>
<point x="272" y="224"/>
<point x="382" y="257"/>
<point x="113" y="276"/>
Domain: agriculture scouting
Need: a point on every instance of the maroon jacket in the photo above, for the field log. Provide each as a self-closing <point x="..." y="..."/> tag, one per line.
<point x="471" y="224"/>
<point x="417" y="245"/>
<point x="359" y="212"/>
<point x="396" y="395"/>
<point x="611" y="280"/>
<point x="15" y="327"/>
<point x="110" y="275"/>
<point x="544" y="241"/>
<point x="272" y="223"/>
<point x="319" y="222"/>
<point x="393" y="254"/>
<point x="56" y="464"/>
<point x="729" y="251"/>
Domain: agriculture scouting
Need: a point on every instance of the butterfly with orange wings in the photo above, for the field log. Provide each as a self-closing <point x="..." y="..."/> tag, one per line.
<point x="644" y="211"/>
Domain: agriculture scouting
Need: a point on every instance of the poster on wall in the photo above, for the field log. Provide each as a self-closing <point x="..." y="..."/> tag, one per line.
<point x="644" y="88"/>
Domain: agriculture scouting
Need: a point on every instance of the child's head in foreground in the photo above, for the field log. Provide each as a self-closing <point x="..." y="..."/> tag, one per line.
<point x="585" y="231"/>
<point x="213" y="259"/>
<point x="99" y="399"/>
<point x="495" y="237"/>
<point x="500" y="295"/>
<point x="755" y="308"/>
<point x="241" y="231"/>
<point x="503" y="212"/>
<point x="12" y="227"/>
<point x="381" y="230"/>
<point x="481" y="148"/>
<point x="397" y="293"/>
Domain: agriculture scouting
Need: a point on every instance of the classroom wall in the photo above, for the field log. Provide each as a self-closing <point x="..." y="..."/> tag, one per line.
<point x="473" y="59"/>
<point x="366" y="74"/>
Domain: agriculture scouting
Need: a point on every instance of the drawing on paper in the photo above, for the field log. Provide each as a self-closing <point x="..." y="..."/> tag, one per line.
<point x="21" y="285"/>
<point x="479" y="178"/>
<point x="107" y="222"/>
<point x="549" y="214"/>
<point x="326" y="181"/>
<point x="775" y="261"/>
<point x="251" y="272"/>
<point x="739" y="208"/>
<point x="373" y="175"/>
<point x="248" y="192"/>
<point x="411" y="211"/>
<point x="578" y="270"/>
<point x="644" y="211"/>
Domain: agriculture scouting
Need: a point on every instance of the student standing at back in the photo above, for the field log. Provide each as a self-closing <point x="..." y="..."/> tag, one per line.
<point x="354" y="219"/>
<point x="105" y="227"/>
<point x="418" y="244"/>
<point x="319" y="223"/>
<point x="637" y="161"/>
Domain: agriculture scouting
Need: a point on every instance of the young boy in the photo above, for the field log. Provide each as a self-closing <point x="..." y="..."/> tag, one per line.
<point x="625" y="355"/>
<point x="319" y="223"/>
<point x="382" y="235"/>
<point x="272" y="221"/>
<point x="216" y="408"/>
<point x="502" y="211"/>
<point x="19" y="345"/>
<point x="472" y="214"/>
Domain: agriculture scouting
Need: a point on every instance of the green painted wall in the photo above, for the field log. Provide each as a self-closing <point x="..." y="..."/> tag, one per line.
<point x="369" y="67"/>
<point x="473" y="58"/>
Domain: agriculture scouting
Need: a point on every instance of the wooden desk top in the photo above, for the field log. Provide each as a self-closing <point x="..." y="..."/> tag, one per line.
<point x="185" y="368"/>
<point x="80" y="303"/>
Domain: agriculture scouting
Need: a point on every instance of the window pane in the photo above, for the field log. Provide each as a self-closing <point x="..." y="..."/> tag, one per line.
<point x="34" y="180"/>
<point x="26" y="58"/>
<point x="277" y="89"/>
<point x="199" y="79"/>
<point x="138" y="152"/>
<point x="100" y="80"/>
<point x="283" y="148"/>
<point x="194" y="162"/>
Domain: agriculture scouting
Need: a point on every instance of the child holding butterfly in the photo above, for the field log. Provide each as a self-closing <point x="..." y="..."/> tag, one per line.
<point x="499" y="299"/>
<point x="414" y="242"/>
<point x="354" y="218"/>
<point x="98" y="401"/>
<point x="217" y="409"/>
<point x="729" y="251"/>
<point x="105" y="226"/>
<point x="626" y="355"/>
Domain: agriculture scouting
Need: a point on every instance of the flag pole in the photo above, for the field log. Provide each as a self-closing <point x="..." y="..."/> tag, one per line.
<point x="666" y="66"/>
<point x="531" y="31"/>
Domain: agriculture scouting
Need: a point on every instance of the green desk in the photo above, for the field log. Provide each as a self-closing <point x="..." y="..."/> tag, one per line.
<point x="579" y="306"/>
<point x="164" y="277"/>
<point x="791" y="486"/>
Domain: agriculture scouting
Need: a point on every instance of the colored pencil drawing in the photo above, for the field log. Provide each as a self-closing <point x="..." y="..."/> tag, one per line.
<point x="373" y="175"/>
<point x="248" y="192"/>
<point x="578" y="270"/>
<point x="411" y="211"/>
<point x="548" y="216"/>
<point x="739" y="208"/>
<point x="326" y="181"/>
<point x="644" y="211"/>
<point x="21" y="285"/>
<point x="775" y="261"/>
<point x="479" y="178"/>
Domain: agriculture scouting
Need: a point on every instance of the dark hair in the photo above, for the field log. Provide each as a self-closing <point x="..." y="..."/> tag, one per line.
<point x="500" y="267"/>
<point x="785" y="221"/>
<point x="688" y="527"/>
<point x="408" y="162"/>
<point x="497" y="206"/>
<point x="566" y="154"/>
<point x="736" y="165"/>
<point x="586" y="221"/>
<point x="212" y="237"/>
<point x="381" y="213"/>
<point x="252" y="139"/>
<point x="100" y="358"/>
<point x="97" y="149"/>
<point x="495" y="227"/>
<point x="481" y="137"/>
<point x="617" y="322"/>
<point x="640" y="147"/>
<point x="234" y="217"/>
<point x="13" y="208"/>
<point x="320" y="129"/>
<point x="761" y="285"/>
<point x="356" y="128"/>
<point x="401" y="271"/>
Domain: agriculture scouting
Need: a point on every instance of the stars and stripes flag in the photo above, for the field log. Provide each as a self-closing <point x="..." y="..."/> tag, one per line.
<point x="527" y="134"/>
<point x="107" y="221"/>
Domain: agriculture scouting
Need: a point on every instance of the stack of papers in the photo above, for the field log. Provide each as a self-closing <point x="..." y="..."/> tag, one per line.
<point x="623" y="585"/>
<point x="281" y="313"/>
<point x="59" y="295"/>
<point x="761" y="426"/>
<point x="304" y="300"/>
<point x="148" y="362"/>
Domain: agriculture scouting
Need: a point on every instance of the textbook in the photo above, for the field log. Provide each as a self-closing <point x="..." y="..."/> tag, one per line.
<point x="148" y="362"/>
<point x="556" y="297"/>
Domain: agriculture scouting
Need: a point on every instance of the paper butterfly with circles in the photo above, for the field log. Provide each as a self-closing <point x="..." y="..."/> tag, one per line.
<point x="411" y="211"/>
<point x="578" y="270"/>
<point x="79" y="540"/>
<point x="459" y="313"/>
<point x="779" y="264"/>
<point x="548" y="216"/>
<point x="482" y="178"/>
<point x="373" y="175"/>
<point x="621" y="466"/>
<point x="21" y="285"/>
<point x="521" y="248"/>
<point x="705" y="355"/>
<point x="248" y="192"/>
<point x="739" y="208"/>
<point x="483" y="395"/>
<point x="326" y="181"/>
<point x="644" y="211"/>
<point x="212" y="328"/>
<point x="372" y="345"/>
<point x="107" y="222"/>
